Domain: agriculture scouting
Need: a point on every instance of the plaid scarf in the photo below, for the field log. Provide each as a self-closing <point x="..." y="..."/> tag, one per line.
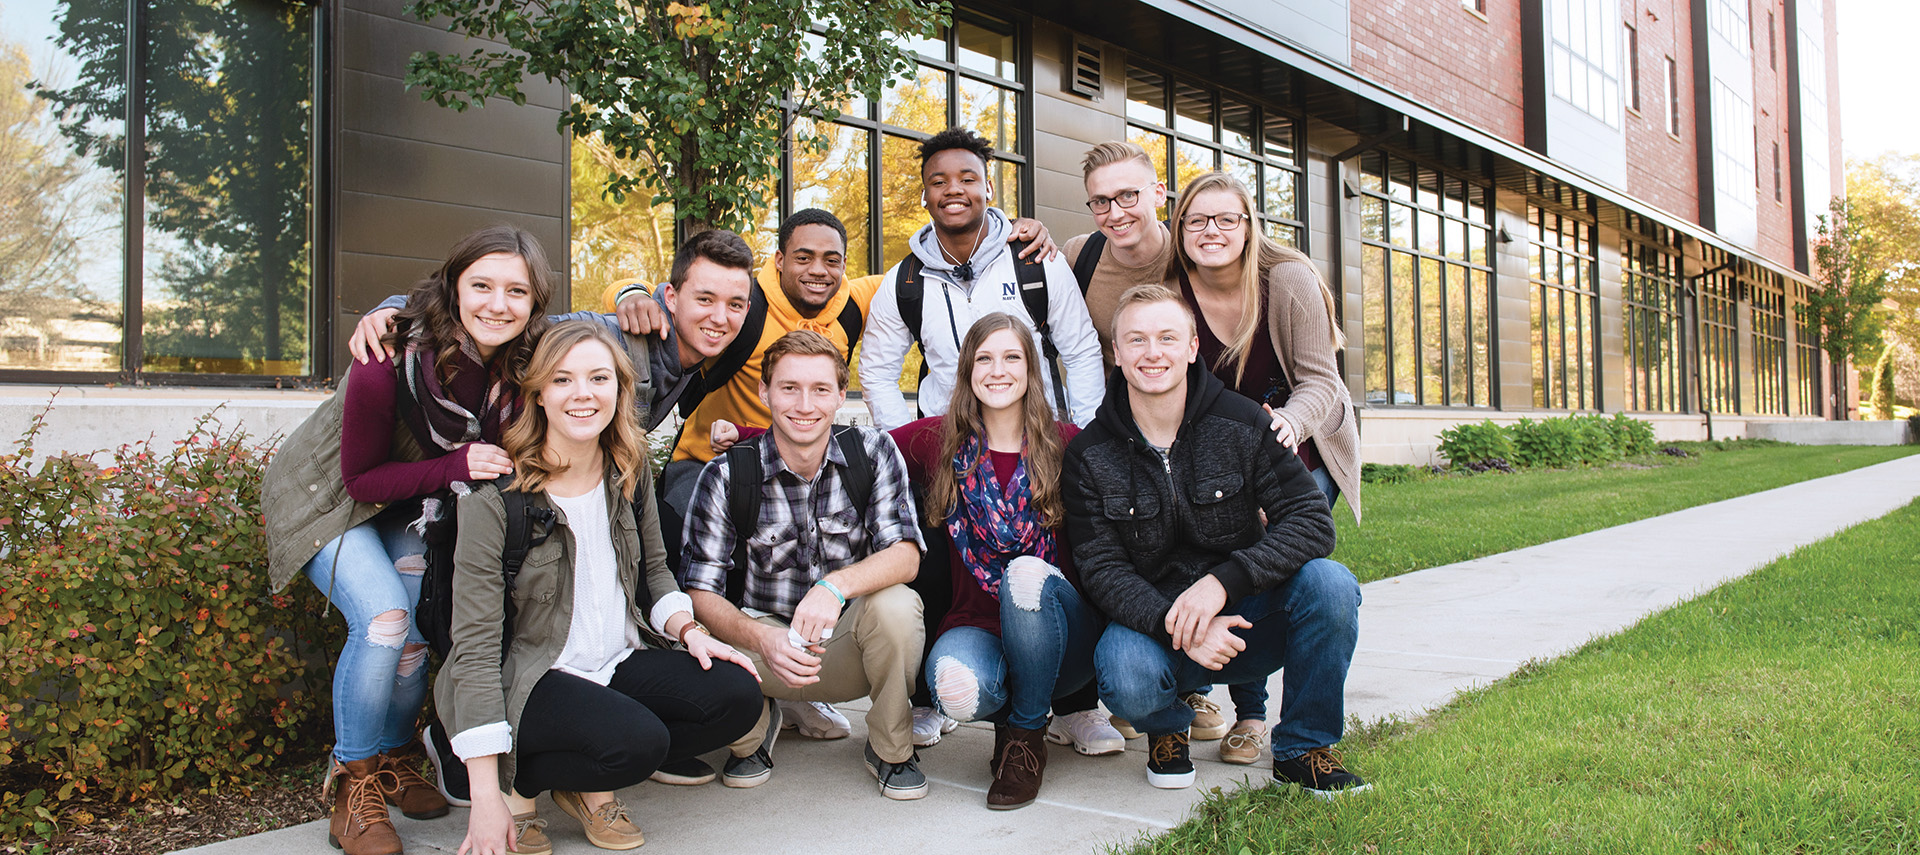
<point x="436" y="419"/>
<point x="991" y="527"/>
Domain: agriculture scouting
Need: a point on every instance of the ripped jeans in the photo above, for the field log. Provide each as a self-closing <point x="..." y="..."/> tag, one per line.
<point x="380" y="682"/>
<point x="1044" y="651"/>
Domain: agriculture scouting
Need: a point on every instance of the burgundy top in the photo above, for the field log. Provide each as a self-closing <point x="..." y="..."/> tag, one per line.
<point x="1263" y="380"/>
<point x="366" y="433"/>
<point x="972" y="606"/>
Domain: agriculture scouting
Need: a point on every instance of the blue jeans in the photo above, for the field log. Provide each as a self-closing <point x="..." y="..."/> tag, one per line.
<point x="375" y="706"/>
<point x="1250" y="699"/>
<point x="1044" y="651"/>
<point x="1308" y="626"/>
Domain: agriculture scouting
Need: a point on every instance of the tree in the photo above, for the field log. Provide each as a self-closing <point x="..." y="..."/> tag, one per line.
<point x="1882" y="398"/>
<point x="1885" y="193"/>
<point x="1851" y="287"/>
<point x="690" y="93"/>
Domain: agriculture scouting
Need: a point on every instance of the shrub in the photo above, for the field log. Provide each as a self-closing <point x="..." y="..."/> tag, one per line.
<point x="1467" y="444"/>
<point x="1392" y="473"/>
<point x="143" y="652"/>
<point x="1553" y="443"/>
<point x="1633" y="436"/>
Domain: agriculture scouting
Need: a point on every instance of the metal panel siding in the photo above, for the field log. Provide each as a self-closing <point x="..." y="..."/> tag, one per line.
<point x="413" y="169"/>
<point x="1318" y="25"/>
<point x="1575" y="137"/>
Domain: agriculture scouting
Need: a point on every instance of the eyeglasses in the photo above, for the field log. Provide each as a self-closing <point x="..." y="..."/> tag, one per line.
<point x="1198" y="222"/>
<point x="1125" y="199"/>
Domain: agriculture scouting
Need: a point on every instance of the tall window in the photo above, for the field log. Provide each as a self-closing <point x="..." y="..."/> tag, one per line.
<point x="1779" y="194"/>
<point x="1733" y="163"/>
<point x="1654" y="306"/>
<point x="1719" y="343"/>
<point x="1196" y="129"/>
<point x="1478" y="7"/>
<point x="1728" y="18"/>
<point x="1769" y="345"/>
<point x="1632" y="47"/>
<point x="1426" y="277"/>
<point x="192" y="257"/>
<point x="1565" y="315"/>
<point x="1673" y="97"/>
<point x="1808" y="380"/>
<point x="1586" y="62"/>
<point x="1773" y="50"/>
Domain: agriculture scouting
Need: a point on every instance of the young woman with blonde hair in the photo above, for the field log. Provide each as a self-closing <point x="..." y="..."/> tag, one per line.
<point x="605" y="676"/>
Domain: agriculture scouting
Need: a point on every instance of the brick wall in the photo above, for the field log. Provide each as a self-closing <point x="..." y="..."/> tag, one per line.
<point x="1446" y="57"/>
<point x="1661" y="168"/>
<point x="1770" y="121"/>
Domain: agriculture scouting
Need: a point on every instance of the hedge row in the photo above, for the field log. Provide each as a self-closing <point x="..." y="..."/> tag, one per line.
<point x="1555" y="443"/>
<point x="144" y="653"/>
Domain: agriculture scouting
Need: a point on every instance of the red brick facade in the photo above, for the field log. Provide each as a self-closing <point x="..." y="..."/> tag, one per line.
<point x="1770" y="121"/>
<point x="1660" y="167"/>
<point x="1447" y="57"/>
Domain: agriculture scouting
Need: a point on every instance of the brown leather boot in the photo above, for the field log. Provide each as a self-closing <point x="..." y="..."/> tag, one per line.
<point x="1018" y="768"/>
<point x="999" y="748"/>
<point x="360" y="824"/>
<point x="410" y="791"/>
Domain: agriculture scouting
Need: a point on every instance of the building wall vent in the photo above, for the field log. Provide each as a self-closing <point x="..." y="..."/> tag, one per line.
<point x="1083" y="68"/>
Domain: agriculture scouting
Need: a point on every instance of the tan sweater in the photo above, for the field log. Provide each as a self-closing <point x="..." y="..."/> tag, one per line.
<point x="1111" y="279"/>
<point x="1319" y="407"/>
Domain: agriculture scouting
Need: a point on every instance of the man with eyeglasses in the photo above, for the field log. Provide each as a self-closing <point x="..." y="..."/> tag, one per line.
<point x="1132" y="246"/>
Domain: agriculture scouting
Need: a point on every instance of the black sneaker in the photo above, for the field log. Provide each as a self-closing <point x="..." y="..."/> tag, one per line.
<point x="1318" y="771"/>
<point x="691" y="772"/>
<point x="898" y="781"/>
<point x="449" y="774"/>
<point x="754" y="769"/>
<point x="1168" y="766"/>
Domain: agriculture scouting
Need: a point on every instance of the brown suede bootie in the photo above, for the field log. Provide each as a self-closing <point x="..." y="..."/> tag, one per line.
<point x="1018" y="768"/>
<point x="408" y="790"/>
<point x="360" y="825"/>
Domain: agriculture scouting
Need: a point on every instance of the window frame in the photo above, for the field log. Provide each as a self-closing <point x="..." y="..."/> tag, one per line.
<point x="1653" y="304"/>
<point x="1552" y="363"/>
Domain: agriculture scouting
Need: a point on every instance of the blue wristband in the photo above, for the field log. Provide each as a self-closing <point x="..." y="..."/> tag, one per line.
<point x="834" y="591"/>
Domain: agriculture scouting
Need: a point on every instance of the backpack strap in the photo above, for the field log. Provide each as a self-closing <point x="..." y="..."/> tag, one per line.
<point x="735" y="356"/>
<point x="910" y="292"/>
<point x="852" y="322"/>
<point x="1089" y="260"/>
<point x="743" y="509"/>
<point x="521" y="516"/>
<point x="639" y="352"/>
<point x="1032" y="277"/>
<point x="859" y="480"/>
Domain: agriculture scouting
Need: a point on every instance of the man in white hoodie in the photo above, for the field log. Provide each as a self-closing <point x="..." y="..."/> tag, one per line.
<point x="964" y="269"/>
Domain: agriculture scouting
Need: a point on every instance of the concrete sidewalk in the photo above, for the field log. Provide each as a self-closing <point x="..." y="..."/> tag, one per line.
<point x="1424" y="636"/>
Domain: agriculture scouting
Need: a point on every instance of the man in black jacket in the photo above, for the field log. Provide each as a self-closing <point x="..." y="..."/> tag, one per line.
<point x="1205" y="541"/>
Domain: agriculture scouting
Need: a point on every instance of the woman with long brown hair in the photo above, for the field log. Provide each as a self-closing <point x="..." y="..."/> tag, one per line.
<point x="1267" y="330"/>
<point x="1019" y="632"/>
<point x="590" y="695"/>
<point x="344" y="487"/>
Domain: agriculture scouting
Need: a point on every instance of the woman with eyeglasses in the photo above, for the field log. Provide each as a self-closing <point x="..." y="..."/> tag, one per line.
<point x="1267" y="330"/>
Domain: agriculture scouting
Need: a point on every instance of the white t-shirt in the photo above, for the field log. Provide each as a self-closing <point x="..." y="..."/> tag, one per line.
<point x="599" y="637"/>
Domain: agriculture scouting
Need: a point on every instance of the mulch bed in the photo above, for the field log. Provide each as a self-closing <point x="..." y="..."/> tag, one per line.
<point x="96" y="827"/>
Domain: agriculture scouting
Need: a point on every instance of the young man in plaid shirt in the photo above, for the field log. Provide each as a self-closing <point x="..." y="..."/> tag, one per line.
<point x="822" y="608"/>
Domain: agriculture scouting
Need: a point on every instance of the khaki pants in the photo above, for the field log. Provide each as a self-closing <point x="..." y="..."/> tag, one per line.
<point x="874" y="652"/>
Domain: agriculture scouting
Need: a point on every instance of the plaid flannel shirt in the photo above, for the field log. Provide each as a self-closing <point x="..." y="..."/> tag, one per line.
<point x="806" y="529"/>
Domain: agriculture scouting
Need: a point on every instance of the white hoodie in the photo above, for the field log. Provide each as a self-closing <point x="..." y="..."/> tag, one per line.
<point x="949" y="306"/>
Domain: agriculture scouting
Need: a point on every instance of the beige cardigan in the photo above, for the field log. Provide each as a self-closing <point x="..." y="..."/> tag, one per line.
<point x="1319" y="407"/>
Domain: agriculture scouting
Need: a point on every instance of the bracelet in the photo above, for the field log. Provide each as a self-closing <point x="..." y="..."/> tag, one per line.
<point x="834" y="591"/>
<point x="637" y="286"/>
<point x="691" y="626"/>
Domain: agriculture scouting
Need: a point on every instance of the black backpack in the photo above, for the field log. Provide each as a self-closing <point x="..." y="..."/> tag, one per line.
<point x="910" y="291"/>
<point x="527" y="527"/>
<point x="744" y="477"/>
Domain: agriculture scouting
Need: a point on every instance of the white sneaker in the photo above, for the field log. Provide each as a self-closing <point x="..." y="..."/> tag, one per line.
<point x="1088" y="732"/>
<point x="815" y="719"/>
<point x="929" y="725"/>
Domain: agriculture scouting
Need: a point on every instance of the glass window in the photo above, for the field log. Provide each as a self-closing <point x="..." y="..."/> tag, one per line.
<point x="1654" y="324"/>
<point x="1719" y="340"/>
<point x="1769" y="333"/>
<point x="1565" y="311"/>
<point x="224" y="278"/>
<point x="1810" y="370"/>
<point x="985" y="50"/>
<point x="1586" y="60"/>
<point x="1425" y="287"/>
<point x="1254" y="144"/>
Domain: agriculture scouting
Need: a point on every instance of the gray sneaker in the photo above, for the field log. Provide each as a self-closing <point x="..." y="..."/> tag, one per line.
<point x="898" y="781"/>
<point x="754" y="769"/>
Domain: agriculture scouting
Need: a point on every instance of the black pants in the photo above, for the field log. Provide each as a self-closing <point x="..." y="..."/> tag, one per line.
<point x="580" y="736"/>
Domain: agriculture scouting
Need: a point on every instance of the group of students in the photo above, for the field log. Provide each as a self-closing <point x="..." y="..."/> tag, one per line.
<point x="1129" y="540"/>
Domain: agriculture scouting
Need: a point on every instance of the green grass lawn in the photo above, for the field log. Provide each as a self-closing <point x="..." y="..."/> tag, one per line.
<point x="1423" y="524"/>
<point x="1778" y="713"/>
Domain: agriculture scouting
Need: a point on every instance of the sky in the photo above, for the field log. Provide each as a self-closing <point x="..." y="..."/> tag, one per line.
<point x="1879" y="110"/>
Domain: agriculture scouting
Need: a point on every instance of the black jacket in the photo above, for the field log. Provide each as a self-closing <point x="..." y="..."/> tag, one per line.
<point x="1144" y="529"/>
